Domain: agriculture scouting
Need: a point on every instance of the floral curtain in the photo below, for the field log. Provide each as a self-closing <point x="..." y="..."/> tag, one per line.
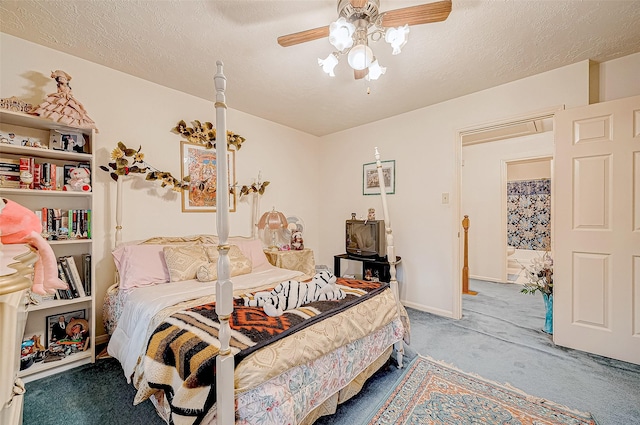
<point x="529" y="214"/>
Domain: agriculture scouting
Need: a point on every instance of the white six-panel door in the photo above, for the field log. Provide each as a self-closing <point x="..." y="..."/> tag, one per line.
<point x="597" y="229"/>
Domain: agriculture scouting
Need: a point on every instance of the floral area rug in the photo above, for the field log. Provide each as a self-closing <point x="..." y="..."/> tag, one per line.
<point x="432" y="393"/>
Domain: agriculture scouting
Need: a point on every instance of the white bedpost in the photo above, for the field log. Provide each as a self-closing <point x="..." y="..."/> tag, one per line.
<point x="224" y="286"/>
<point x="256" y="209"/>
<point x="391" y="252"/>
<point x="119" y="211"/>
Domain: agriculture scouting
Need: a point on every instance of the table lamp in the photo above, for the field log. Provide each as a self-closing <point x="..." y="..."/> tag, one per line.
<point x="270" y="223"/>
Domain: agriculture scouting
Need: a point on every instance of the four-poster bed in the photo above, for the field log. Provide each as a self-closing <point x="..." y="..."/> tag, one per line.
<point x="202" y="354"/>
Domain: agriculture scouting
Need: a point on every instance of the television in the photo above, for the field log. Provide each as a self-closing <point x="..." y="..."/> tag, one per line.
<point x="366" y="238"/>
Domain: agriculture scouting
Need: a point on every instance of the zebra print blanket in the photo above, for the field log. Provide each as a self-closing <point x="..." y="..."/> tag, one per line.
<point x="181" y="353"/>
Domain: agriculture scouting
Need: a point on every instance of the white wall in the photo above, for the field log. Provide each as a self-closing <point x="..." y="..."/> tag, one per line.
<point x="620" y="78"/>
<point x="137" y="112"/>
<point x="483" y="198"/>
<point x="529" y="170"/>
<point x="425" y="144"/>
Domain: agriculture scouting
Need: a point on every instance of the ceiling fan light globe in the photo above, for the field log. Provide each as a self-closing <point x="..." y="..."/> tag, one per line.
<point x="341" y="34"/>
<point x="329" y="64"/>
<point x="360" y="57"/>
<point x="375" y="71"/>
<point x="397" y="37"/>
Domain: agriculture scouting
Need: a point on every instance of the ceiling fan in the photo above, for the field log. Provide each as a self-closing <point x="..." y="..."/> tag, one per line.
<point x="361" y="20"/>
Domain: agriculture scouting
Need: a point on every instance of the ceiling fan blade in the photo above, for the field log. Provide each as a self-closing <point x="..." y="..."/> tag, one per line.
<point x="415" y="15"/>
<point x="358" y="3"/>
<point x="359" y="74"/>
<point x="303" y="36"/>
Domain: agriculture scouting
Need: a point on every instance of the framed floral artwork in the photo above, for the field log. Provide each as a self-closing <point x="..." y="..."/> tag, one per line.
<point x="200" y="165"/>
<point x="370" y="181"/>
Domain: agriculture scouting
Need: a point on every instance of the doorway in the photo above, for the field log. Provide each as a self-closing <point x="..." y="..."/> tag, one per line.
<point x="484" y="152"/>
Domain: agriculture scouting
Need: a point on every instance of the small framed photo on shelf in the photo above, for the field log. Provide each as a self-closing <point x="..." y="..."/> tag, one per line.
<point x="67" y="329"/>
<point x="70" y="141"/>
<point x="200" y="165"/>
<point x="370" y="180"/>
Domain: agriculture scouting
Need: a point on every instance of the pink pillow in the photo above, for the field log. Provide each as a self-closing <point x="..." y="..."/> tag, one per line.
<point x="140" y="265"/>
<point x="252" y="249"/>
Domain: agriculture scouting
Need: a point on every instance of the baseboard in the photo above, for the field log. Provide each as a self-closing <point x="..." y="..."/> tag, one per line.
<point x="488" y="279"/>
<point x="436" y="311"/>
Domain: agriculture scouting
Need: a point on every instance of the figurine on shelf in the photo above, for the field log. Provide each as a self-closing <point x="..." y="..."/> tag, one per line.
<point x="295" y="240"/>
<point x="297" y="243"/>
<point x="371" y="214"/>
<point x="26" y="180"/>
<point x="62" y="107"/>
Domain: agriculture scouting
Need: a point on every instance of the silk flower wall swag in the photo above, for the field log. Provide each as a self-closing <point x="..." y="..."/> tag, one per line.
<point x="258" y="188"/>
<point x="205" y="134"/>
<point x="122" y="167"/>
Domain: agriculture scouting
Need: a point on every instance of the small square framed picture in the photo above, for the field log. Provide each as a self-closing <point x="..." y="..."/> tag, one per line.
<point x="68" y="141"/>
<point x="371" y="181"/>
<point x="69" y="326"/>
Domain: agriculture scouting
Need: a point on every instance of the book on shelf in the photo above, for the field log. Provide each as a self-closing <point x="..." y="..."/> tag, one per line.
<point x="86" y="273"/>
<point x="10" y="179"/>
<point x="10" y="162"/>
<point x="80" y="224"/>
<point x="75" y="271"/>
<point x="72" y="291"/>
<point x="47" y="176"/>
<point x="73" y="276"/>
<point x="58" y="224"/>
<point x="37" y="174"/>
<point x="10" y="173"/>
<point x="63" y="294"/>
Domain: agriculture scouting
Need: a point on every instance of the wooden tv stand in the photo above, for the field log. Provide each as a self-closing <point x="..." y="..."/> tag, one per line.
<point x="372" y="267"/>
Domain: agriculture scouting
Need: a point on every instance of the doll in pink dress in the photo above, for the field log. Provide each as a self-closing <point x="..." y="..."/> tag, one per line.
<point x="62" y="107"/>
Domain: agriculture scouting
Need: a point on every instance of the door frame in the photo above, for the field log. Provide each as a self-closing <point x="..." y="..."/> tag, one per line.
<point x="458" y="241"/>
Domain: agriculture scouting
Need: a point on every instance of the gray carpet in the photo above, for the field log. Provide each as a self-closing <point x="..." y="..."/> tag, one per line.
<point x="499" y="338"/>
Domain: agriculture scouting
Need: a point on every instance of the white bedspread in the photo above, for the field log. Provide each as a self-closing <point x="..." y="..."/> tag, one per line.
<point x="129" y="339"/>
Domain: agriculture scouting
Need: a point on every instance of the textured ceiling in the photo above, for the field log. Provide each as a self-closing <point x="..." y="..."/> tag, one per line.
<point x="176" y="44"/>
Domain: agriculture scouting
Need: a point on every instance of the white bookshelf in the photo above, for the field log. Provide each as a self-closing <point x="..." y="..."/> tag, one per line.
<point x="34" y="199"/>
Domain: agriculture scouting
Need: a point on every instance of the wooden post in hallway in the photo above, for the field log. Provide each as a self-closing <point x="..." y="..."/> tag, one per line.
<point x="465" y="269"/>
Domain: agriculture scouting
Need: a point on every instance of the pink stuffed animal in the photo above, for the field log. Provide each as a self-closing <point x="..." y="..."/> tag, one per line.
<point x="20" y="225"/>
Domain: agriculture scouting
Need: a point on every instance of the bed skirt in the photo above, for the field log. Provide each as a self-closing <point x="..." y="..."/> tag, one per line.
<point x="302" y="394"/>
<point x="331" y="404"/>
